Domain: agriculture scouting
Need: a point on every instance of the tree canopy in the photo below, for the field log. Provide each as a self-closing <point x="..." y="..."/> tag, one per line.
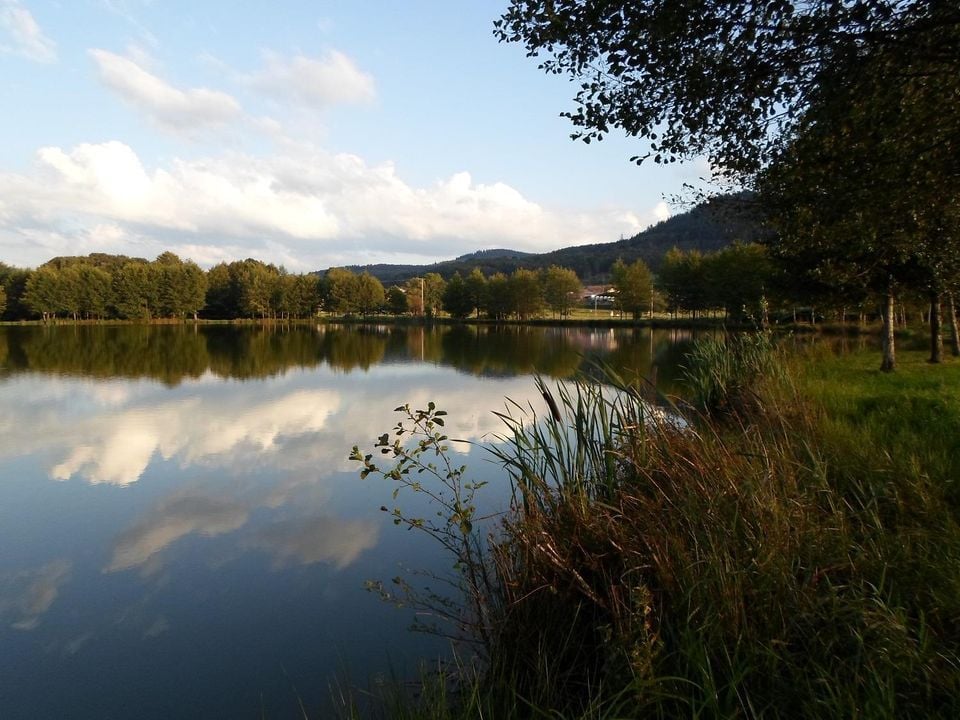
<point x="727" y="79"/>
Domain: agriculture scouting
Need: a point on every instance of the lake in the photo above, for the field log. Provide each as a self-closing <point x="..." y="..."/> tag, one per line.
<point x="181" y="532"/>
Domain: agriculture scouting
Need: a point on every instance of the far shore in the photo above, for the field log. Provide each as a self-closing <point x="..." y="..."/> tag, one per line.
<point x="656" y="322"/>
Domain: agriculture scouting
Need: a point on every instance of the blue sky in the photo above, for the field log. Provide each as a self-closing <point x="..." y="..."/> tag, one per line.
<point x="304" y="133"/>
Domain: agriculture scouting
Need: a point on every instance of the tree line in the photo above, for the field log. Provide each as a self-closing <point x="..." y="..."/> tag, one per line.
<point x="742" y="282"/>
<point x="101" y="286"/>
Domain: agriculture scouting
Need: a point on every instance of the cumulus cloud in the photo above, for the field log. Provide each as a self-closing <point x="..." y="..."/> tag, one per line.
<point x="661" y="211"/>
<point x="173" y="109"/>
<point x="23" y="35"/>
<point x="318" y="83"/>
<point x="297" y="207"/>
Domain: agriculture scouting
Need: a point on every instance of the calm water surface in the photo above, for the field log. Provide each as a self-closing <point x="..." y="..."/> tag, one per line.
<point x="181" y="533"/>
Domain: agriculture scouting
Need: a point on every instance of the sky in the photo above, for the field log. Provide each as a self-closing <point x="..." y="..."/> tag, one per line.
<point x="304" y="133"/>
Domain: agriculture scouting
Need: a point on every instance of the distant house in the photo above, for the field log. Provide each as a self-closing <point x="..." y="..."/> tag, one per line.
<point x="598" y="296"/>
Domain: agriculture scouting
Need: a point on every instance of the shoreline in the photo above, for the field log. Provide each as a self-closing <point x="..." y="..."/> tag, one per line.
<point x="656" y="323"/>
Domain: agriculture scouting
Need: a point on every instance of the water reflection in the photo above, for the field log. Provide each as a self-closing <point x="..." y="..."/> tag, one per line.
<point x="171" y="519"/>
<point x="316" y="540"/>
<point x="175" y="353"/>
<point x="182" y="532"/>
<point x="26" y="595"/>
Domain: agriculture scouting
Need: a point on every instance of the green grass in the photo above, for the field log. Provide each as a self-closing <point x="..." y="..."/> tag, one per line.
<point x="906" y="422"/>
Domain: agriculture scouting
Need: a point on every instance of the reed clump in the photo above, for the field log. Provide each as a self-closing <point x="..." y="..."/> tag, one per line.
<point x="735" y="574"/>
<point x="752" y="564"/>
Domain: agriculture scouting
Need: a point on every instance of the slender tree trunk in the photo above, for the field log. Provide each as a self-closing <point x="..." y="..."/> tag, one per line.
<point x="954" y="333"/>
<point x="936" y="336"/>
<point x="889" y="362"/>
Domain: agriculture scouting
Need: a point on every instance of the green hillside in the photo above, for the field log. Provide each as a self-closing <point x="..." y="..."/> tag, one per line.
<point x="707" y="227"/>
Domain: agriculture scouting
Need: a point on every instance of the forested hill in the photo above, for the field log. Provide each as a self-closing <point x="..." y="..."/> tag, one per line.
<point x="707" y="227"/>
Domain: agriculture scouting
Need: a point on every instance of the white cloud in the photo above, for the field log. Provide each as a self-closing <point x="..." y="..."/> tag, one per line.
<point x="305" y="207"/>
<point x="661" y="211"/>
<point x="332" y="79"/>
<point x="173" y="109"/>
<point x="26" y="38"/>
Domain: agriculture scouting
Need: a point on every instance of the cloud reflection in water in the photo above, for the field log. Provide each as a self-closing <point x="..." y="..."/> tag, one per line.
<point x="26" y="595"/>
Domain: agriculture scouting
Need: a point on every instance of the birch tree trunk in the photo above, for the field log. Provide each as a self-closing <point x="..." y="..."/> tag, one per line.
<point x="936" y="334"/>
<point x="954" y="333"/>
<point x="889" y="363"/>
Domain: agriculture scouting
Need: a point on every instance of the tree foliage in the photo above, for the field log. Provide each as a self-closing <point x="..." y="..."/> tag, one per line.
<point x="476" y="286"/>
<point x="525" y="292"/>
<point x="723" y="78"/>
<point x="397" y="302"/>
<point x="370" y="296"/>
<point x="561" y="289"/>
<point x="865" y="195"/>
<point x="499" y="300"/>
<point x="633" y="284"/>
<point x="457" y="299"/>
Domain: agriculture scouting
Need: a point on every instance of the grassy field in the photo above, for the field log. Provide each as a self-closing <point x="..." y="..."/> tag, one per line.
<point x="906" y="422"/>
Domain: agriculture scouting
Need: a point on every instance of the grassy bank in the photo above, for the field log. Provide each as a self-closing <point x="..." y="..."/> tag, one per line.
<point x="794" y="553"/>
<point x="907" y="422"/>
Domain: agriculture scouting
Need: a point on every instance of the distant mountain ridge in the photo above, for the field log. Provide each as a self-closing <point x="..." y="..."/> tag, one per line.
<point x="706" y="227"/>
<point x="493" y="254"/>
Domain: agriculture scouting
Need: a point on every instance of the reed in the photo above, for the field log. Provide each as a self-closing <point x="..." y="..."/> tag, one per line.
<point x="735" y="569"/>
<point x="721" y="372"/>
<point x="752" y="563"/>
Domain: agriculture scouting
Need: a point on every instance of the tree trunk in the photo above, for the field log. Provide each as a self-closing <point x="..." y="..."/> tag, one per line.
<point x="954" y="334"/>
<point x="889" y="363"/>
<point x="936" y="336"/>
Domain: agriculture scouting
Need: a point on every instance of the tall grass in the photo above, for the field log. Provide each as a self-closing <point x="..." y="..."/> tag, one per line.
<point x="755" y="566"/>
<point x="727" y="571"/>
<point x="721" y="372"/>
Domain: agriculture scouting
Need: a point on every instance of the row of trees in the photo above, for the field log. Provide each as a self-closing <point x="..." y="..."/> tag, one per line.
<point x="742" y="281"/>
<point x="101" y="286"/>
<point x="109" y="286"/>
